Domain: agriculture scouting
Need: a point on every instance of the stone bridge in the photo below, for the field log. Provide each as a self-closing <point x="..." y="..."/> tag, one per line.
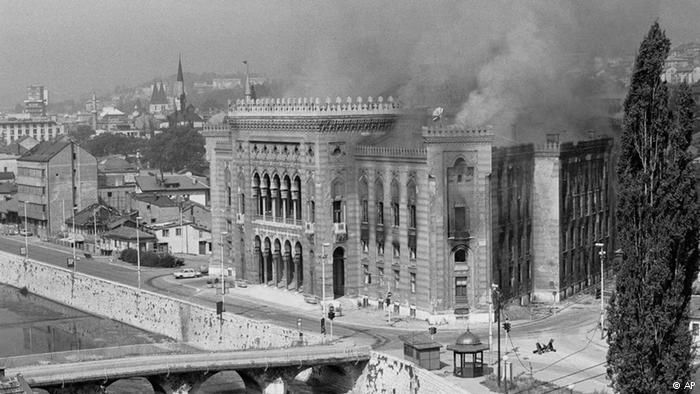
<point x="267" y="371"/>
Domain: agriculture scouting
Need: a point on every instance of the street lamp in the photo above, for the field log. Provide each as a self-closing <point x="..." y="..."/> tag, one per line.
<point x="138" y="253"/>
<point x="601" y="253"/>
<point x="75" y="265"/>
<point x="94" y="228"/>
<point x="323" y="276"/>
<point x="223" y="288"/>
<point x="26" y="240"/>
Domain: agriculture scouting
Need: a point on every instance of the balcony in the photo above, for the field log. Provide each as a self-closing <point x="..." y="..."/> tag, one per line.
<point x="278" y="221"/>
<point x="340" y="232"/>
<point x="240" y="218"/>
<point x="309" y="228"/>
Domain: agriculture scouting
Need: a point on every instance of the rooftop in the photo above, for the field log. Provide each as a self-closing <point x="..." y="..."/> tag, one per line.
<point x="45" y="150"/>
<point x="154" y="199"/>
<point x="116" y="164"/>
<point x="154" y="183"/>
<point x="128" y="234"/>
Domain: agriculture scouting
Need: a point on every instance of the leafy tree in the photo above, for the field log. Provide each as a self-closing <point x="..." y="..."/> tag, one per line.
<point x="658" y="221"/>
<point x="110" y="144"/>
<point x="81" y="134"/>
<point x="175" y="149"/>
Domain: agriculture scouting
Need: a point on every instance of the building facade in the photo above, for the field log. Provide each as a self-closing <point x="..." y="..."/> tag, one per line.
<point x="41" y="129"/>
<point x="53" y="179"/>
<point x="432" y="216"/>
<point x="37" y="100"/>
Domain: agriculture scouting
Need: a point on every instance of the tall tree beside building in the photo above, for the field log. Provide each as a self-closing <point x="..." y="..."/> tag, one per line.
<point x="177" y="148"/>
<point x="658" y="222"/>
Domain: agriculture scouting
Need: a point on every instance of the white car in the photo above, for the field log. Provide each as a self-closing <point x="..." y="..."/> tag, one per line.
<point x="187" y="273"/>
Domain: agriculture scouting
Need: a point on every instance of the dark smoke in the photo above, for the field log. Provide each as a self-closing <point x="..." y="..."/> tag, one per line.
<point x="523" y="67"/>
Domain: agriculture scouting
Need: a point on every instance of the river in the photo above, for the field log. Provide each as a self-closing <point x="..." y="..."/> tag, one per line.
<point x="34" y="329"/>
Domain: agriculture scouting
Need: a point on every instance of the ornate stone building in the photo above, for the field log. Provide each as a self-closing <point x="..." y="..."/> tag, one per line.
<point x="390" y="206"/>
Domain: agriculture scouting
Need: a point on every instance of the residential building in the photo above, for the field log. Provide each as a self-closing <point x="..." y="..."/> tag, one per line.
<point x="694" y="316"/>
<point x="9" y="154"/>
<point x="181" y="187"/>
<point x="181" y="237"/>
<point x="197" y="213"/>
<point x="435" y="215"/>
<point x="116" y="182"/>
<point x="120" y="238"/>
<point x="154" y="208"/>
<point x="53" y="179"/>
<point x="41" y="129"/>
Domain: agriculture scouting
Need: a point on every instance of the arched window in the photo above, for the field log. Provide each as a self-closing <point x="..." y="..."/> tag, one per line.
<point x="337" y="192"/>
<point x="379" y="198"/>
<point x="364" y="195"/>
<point x="395" y="202"/>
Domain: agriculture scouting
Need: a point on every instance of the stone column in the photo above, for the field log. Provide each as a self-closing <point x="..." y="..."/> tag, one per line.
<point x="275" y="200"/>
<point x="257" y="259"/>
<point x="297" y="271"/>
<point x="288" y="271"/>
<point x="275" y="267"/>
<point x="266" y="262"/>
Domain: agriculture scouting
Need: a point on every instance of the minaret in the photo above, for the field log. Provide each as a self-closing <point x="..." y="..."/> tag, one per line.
<point x="247" y="82"/>
<point x="180" y="93"/>
<point x="94" y="111"/>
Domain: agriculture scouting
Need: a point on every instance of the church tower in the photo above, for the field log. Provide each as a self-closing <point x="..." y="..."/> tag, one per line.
<point x="180" y="101"/>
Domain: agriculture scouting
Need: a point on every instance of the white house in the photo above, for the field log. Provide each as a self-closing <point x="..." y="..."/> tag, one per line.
<point x="187" y="237"/>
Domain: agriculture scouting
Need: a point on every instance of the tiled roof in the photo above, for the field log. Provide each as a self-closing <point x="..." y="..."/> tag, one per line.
<point x="154" y="199"/>
<point x="45" y="150"/>
<point x="8" y="188"/>
<point x="128" y="234"/>
<point x="85" y="217"/>
<point x="171" y="182"/>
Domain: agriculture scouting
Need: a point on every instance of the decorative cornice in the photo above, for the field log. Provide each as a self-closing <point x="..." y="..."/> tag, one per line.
<point x="365" y="123"/>
<point x="313" y="106"/>
<point x="456" y="133"/>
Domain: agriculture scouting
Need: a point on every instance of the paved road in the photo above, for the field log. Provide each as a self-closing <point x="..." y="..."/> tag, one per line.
<point x="153" y="280"/>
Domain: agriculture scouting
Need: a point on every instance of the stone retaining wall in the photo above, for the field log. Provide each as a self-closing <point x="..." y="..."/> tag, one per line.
<point x="180" y="320"/>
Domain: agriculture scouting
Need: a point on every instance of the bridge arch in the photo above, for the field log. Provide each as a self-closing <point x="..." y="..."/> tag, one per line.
<point x="130" y="385"/>
<point x="228" y="381"/>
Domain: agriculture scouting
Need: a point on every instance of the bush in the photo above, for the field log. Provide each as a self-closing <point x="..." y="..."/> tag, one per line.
<point x="151" y="259"/>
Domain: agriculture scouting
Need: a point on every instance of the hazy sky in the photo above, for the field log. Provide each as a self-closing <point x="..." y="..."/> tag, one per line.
<point x="74" y="47"/>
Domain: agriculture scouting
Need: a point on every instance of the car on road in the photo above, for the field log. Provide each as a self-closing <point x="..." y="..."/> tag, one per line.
<point x="25" y="233"/>
<point x="187" y="273"/>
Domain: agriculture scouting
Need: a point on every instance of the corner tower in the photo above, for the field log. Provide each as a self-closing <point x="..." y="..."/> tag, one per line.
<point x="459" y="166"/>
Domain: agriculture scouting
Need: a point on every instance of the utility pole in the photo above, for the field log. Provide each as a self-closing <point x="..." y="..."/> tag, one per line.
<point x="498" y="327"/>
<point x="601" y="253"/>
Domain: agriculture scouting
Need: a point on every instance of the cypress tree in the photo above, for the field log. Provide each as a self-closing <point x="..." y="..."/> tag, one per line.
<point x="650" y="345"/>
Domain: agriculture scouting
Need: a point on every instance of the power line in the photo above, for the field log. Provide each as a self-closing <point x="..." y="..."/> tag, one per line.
<point x="577" y="382"/>
<point x="569" y="355"/>
<point x="568" y="375"/>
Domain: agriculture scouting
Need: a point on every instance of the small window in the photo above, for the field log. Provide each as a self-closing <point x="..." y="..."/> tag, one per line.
<point x="696" y="329"/>
<point x="368" y="275"/>
<point x="413" y="282"/>
<point x="397" y="250"/>
<point x="397" y="279"/>
<point x="380" y="213"/>
<point x="365" y="245"/>
<point x="380" y="273"/>
<point x="178" y="232"/>
<point x="380" y="248"/>
<point x="166" y="232"/>
<point x="337" y="211"/>
<point x="461" y="286"/>
<point x="395" y="213"/>
<point x="109" y="194"/>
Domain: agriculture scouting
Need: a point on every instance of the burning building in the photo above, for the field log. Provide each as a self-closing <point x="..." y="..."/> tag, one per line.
<point x="431" y="216"/>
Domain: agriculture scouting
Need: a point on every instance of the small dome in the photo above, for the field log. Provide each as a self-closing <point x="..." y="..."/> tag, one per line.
<point x="468" y="339"/>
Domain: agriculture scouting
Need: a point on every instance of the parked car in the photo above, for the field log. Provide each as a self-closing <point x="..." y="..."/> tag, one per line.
<point x="187" y="273"/>
<point x="25" y="233"/>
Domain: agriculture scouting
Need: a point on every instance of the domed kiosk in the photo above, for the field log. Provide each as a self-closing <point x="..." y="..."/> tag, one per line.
<point x="468" y="355"/>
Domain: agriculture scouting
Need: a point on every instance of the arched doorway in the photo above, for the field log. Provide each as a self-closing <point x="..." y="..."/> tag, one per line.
<point x="338" y="272"/>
